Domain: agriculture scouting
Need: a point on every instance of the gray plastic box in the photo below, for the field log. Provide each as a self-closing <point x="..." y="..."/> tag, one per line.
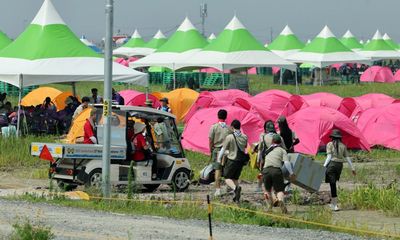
<point x="309" y="174"/>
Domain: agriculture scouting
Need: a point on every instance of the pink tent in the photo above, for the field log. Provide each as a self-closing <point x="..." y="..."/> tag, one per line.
<point x="294" y="104"/>
<point x="252" y="71"/>
<point x="350" y="108"/>
<point x="314" y="124"/>
<point x="132" y="59"/>
<point x="374" y="100"/>
<point x="381" y="126"/>
<point x="135" y="98"/>
<point x="323" y="99"/>
<point x="215" y="99"/>
<point x="377" y="74"/>
<point x="268" y="104"/>
<point x="275" y="70"/>
<point x="397" y="76"/>
<point x="195" y="134"/>
<point x="122" y="61"/>
<point x="212" y="70"/>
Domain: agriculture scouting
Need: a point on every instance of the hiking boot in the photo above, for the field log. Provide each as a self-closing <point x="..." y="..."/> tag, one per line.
<point x="283" y="207"/>
<point x="238" y="191"/>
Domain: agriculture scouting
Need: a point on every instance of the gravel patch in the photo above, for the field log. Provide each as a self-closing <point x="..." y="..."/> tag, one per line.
<point x="74" y="223"/>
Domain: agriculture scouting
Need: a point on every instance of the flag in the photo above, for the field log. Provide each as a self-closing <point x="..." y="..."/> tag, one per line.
<point x="46" y="155"/>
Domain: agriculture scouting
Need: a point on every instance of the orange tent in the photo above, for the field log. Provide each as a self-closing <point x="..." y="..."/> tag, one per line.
<point x="59" y="101"/>
<point x="38" y="96"/>
<point x="76" y="130"/>
<point x="180" y="101"/>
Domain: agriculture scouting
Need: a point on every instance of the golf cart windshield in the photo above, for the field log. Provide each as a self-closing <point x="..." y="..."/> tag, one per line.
<point x="161" y="132"/>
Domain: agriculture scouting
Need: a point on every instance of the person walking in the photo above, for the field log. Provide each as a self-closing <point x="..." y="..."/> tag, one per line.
<point x="275" y="155"/>
<point x="336" y="154"/>
<point x="235" y="145"/>
<point x="216" y="136"/>
<point x="264" y="143"/>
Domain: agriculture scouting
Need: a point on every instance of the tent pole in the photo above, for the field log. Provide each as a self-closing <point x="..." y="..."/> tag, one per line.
<point x="320" y="76"/>
<point x="223" y="78"/>
<point x="174" y="79"/>
<point x="21" y="79"/>
<point x="74" y="89"/>
<point x="107" y="108"/>
<point x="297" y="82"/>
<point x="280" y="76"/>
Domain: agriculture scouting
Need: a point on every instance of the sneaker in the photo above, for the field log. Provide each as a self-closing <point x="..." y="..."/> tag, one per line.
<point x="334" y="207"/>
<point x="238" y="191"/>
<point x="217" y="192"/>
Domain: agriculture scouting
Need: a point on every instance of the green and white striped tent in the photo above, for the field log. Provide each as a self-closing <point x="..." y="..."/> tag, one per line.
<point x="378" y="49"/>
<point x="158" y="40"/>
<point x="132" y="47"/>
<point x="211" y="38"/>
<point x="390" y="41"/>
<point x="235" y="47"/>
<point x="181" y="44"/>
<point x="325" y="50"/>
<point x="4" y="40"/>
<point x="49" y="52"/>
<point x="286" y="43"/>
<point x="351" y="42"/>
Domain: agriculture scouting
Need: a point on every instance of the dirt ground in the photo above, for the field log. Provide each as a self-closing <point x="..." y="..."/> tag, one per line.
<point x="11" y="184"/>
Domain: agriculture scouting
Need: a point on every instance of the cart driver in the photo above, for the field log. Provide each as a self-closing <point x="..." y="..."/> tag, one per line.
<point x="142" y="150"/>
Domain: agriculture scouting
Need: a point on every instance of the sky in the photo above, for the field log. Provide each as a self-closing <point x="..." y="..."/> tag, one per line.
<point x="262" y="17"/>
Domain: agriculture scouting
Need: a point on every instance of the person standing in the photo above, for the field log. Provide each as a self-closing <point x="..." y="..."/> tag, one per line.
<point x="164" y="105"/>
<point x="336" y="154"/>
<point x="83" y="106"/>
<point x="117" y="98"/>
<point x="216" y="136"/>
<point x="95" y="99"/>
<point x="272" y="172"/>
<point x="233" y="144"/>
<point x="289" y="137"/>
<point x="89" y="136"/>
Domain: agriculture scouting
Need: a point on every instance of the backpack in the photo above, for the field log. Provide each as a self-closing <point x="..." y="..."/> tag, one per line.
<point x="207" y="174"/>
<point x="241" y="156"/>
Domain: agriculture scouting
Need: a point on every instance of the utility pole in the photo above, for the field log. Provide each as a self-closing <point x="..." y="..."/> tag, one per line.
<point x="203" y="15"/>
<point x="106" y="186"/>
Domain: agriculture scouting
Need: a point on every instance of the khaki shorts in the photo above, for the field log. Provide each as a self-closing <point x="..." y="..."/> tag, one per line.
<point x="214" y="157"/>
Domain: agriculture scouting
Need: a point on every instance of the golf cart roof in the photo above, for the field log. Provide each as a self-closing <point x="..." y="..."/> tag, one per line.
<point x="145" y="110"/>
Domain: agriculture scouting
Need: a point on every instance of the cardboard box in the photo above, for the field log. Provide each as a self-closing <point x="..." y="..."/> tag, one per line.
<point x="309" y="174"/>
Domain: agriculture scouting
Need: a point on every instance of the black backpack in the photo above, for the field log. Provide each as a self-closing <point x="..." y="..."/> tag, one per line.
<point x="241" y="156"/>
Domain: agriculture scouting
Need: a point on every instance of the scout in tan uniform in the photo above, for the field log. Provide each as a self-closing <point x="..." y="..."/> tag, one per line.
<point x="217" y="135"/>
<point x="233" y="143"/>
<point x="336" y="154"/>
<point x="272" y="173"/>
<point x="264" y="143"/>
<point x="289" y="137"/>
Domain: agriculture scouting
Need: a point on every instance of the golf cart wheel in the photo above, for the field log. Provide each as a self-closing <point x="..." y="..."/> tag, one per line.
<point x="95" y="179"/>
<point x="66" y="186"/>
<point x="181" y="180"/>
<point x="151" y="187"/>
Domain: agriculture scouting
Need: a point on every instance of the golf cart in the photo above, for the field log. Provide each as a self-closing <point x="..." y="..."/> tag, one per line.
<point x="81" y="164"/>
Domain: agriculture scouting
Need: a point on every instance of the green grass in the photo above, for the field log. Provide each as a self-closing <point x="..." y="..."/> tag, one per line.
<point x="31" y="231"/>
<point x="372" y="197"/>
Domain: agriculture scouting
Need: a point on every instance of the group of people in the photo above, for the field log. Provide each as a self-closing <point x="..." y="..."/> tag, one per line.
<point x="228" y="145"/>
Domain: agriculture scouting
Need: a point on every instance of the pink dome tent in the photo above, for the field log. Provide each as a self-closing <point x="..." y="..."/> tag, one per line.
<point x="314" y="124"/>
<point x="268" y="104"/>
<point x="350" y="108"/>
<point x="397" y="76"/>
<point x="122" y="61"/>
<point x="381" y="126"/>
<point x="294" y="104"/>
<point x="135" y="98"/>
<point x="195" y="134"/>
<point x="374" y="100"/>
<point x="323" y="99"/>
<point x="215" y="99"/>
<point x="377" y="74"/>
